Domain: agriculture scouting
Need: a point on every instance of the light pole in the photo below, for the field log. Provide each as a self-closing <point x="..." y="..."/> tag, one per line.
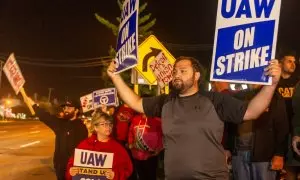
<point x="49" y="95"/>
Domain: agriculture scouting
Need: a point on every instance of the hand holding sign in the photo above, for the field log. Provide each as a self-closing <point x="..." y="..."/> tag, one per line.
<point x="112" y="68"/>
<point x="274" y="70"/>
<point x="109" y="174"/>
<point x="74" y="171"/>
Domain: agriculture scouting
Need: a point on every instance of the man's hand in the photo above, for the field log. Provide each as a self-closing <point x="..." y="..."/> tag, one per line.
<point x="73" y="171"/>
<point x="104" y="108"/>
<point x="295" y="141"/>
<point x="112" y="69"/>
<point x="277" y="163"/>
<point x="274" y="70"/>
<point x="124" y="91"/>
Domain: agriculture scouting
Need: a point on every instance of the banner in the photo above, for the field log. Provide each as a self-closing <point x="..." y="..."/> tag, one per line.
<point x="245" y="40"/>
<point x="106" y="97"/>
<point x="87" y="103"/>
<point x="92" y="164"/>
<point x="127" y="42"/>
<point x="13" y="73"/>
<point x="162" y="69"/>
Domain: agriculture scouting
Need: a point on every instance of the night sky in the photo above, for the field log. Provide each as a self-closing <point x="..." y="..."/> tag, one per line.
<point x="68" y="29"/>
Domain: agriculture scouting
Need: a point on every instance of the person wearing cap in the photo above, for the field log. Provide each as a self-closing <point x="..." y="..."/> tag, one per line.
<point x="102" y="141"/>
<point x="69" y="131"/>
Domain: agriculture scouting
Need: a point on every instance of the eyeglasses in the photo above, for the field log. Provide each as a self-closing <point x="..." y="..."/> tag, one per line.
<point x="104" y="124"/>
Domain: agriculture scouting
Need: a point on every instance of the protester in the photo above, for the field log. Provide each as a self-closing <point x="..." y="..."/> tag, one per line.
<point x="296" y="126"/>
<point x="286" y="88"/>
<point x="296" y="120"/>
<point x="123" y="118"/>
<point x="69" y="132"/>
<point x="227" y="141"/>
<point x="101" y="140"/>
<point x="145" y="143"/>
<point x="192" y="121"/>
<point x="223" y="87"/>
<point x="260" y="146"/>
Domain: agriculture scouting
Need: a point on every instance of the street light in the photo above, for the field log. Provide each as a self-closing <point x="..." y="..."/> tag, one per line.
<point x="8" y="102"/>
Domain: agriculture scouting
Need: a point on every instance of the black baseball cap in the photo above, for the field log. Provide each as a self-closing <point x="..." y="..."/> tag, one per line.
<point x="72" y="103"/>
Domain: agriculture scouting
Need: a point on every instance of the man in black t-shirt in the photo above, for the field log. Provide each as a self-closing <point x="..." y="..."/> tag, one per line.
<point x="288" y="81"/>
<point x="193" y="121"/>
<point x="286" y="88"/>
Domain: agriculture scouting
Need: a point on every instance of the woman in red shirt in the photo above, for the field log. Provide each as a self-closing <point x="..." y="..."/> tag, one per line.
<point x="145" y="142"/>
<point x="102" y="125"/>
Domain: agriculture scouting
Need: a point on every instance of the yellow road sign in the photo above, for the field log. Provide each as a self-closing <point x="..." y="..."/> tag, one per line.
<point x="148" y="50"/>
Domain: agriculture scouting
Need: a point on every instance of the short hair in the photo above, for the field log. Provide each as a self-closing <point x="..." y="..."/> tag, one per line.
<point x="286" y="53"/>
<point x="197" y="66"/>
<point x="97" y="116"/>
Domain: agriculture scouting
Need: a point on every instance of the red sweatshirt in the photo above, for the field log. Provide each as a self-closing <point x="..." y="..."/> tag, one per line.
<point x="122" y="166"/>
<point x="145" y="137"/>
<point x="123" y="118"/>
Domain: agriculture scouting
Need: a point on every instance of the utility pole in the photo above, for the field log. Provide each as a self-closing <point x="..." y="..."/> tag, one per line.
<point x="49" y="95"/>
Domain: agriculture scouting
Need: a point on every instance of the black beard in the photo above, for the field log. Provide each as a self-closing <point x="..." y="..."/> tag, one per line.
<point x="178" y="87"/>
<point x="183" y="87"/>
<point x="68" y="116"/>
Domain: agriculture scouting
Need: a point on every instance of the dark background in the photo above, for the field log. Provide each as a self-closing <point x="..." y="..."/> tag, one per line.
<point x="68" y="29"/>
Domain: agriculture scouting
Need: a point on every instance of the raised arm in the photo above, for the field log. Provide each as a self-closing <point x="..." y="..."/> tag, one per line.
<point x="127" y="95"/>
<point x="262" y="100"/>
<point x="51" y="121"/>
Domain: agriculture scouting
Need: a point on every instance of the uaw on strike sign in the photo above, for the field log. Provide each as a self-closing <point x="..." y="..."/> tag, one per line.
<point x="92" y="164"/>
<point x="127" y="42"/>
<point x="245" y="40"/>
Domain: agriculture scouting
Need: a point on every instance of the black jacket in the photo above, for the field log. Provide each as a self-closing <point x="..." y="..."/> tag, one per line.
<point x="270" y="131"/>
<point x="296" y="110"/>
<point x="68" y="134"/>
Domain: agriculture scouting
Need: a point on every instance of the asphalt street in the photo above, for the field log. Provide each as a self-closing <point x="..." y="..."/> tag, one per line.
<point x="26" y="150"/>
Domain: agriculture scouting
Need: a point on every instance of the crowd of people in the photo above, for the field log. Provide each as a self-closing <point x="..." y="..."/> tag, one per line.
<point x="194" y="133"/>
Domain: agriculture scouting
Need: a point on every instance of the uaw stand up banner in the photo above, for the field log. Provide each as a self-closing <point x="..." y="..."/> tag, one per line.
<point x="245" y="40"/>
<point x="92" y="165"/>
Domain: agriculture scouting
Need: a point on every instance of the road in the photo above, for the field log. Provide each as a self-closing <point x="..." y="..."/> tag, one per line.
<point x="26" y="149"/>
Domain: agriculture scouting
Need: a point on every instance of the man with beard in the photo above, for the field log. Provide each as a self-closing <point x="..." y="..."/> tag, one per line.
<point x="69" y="131"/>
<point x="193" y="121"/>
<point x="286" y="88"/>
